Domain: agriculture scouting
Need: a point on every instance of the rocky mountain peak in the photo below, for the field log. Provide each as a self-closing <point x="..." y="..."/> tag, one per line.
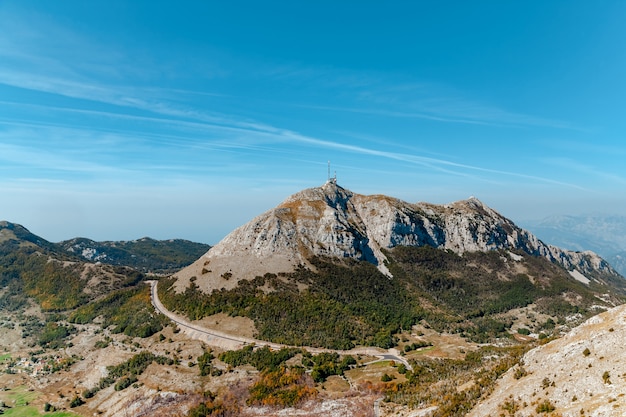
<point x="332" y="221"/>
<point x="330" y="190"/>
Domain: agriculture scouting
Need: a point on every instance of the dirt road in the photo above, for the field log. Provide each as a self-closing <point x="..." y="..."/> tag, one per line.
<point x="232" y="342"/>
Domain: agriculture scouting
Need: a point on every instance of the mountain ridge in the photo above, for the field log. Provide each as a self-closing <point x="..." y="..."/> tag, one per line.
<point x="18" y="233"/>
<point x="144" y="254"/>
<point x="333" y="221"/>
<point x="328" y="267"/>
<point x="603" y="234"/>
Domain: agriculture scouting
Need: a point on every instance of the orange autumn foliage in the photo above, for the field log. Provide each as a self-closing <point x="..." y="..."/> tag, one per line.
<point x="282" y="388"/>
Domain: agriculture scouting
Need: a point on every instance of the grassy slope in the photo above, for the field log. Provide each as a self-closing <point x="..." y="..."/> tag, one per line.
<point x="19" y="398"/>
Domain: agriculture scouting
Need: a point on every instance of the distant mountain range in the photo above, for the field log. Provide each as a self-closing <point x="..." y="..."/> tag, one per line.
<point x="62" y="276"/>
<point x="605" y="235"/>
<point x="145" y="254"/>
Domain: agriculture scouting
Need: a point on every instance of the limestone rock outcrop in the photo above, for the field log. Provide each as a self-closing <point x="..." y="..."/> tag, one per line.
<point x="579" y="374"/>
<point x="335" y="222"/>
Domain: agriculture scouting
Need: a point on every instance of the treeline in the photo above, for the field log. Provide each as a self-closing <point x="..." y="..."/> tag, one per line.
<point x="326" y="364"/>
<point x="343" y="306"/>
<point x="475" y="289"/>
<point x="347" y="303"/>
<point x="263" y="359"/>
<point x="482" y="283"/>
<point x="53" y="335"/>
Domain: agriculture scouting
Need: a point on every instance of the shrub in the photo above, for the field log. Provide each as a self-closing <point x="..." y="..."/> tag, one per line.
<point x="282" y="387"/>
<point x="101" y="344"/>
<point x="125" y="382"/>
<point x="545" y="407"/>
<point x="76" y="402"/>
<point x="520" y="373"/>
<point x="89" y="393"/>
<point x="402" y="369"/>
<point x="416" y="345"/>
<point x="510" y="406"/>
<point x="204" y="363"/>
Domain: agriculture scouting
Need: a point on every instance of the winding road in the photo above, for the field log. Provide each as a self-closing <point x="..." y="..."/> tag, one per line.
<point x="227" y="341"/>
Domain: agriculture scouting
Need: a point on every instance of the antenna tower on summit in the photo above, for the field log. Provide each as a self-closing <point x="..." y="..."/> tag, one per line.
<point x="331" y="180"/>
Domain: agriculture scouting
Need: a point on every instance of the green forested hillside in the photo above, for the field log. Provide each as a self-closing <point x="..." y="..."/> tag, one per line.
<point x="31" y="267"/>
<point x="351" y="303"/>
<point x="343" y="305"/>
<point x="127" y="311"/>
<point x="60" y="279"/>
<point x="56" y="284"/>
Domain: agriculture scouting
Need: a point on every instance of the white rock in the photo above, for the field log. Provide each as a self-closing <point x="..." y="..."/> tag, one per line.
<point x="332" y="221"/>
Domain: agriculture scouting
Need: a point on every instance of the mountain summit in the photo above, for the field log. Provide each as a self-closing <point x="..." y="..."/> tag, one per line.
<point x="332" y="221"/>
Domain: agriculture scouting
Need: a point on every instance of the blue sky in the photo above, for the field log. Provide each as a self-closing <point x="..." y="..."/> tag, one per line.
<point x="123" y="119"/>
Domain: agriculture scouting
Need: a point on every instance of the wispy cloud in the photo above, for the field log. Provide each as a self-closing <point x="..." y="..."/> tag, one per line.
<point x="570" y="165"/>
<point x="56" y="64"/>
<point x="256" y="136"/>
<point x="433" y="163"/>
<point x="400" y="96"/>
<point x="451" y="110"/>
<point x="584" y="146"/>
<point x="32" y="157"/>
<point x="34" y="68"/>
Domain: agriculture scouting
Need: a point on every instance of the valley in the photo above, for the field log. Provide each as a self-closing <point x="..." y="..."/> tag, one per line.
<point x="176" y="384"/>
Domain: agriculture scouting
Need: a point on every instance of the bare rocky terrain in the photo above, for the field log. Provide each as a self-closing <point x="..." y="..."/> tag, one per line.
<point x="162" y="389"/>
<point x="333" y="221"/>
<point x="582" y="373"/>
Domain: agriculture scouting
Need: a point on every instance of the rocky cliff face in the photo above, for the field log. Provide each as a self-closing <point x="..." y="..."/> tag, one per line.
<point x="332" y="221"/>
